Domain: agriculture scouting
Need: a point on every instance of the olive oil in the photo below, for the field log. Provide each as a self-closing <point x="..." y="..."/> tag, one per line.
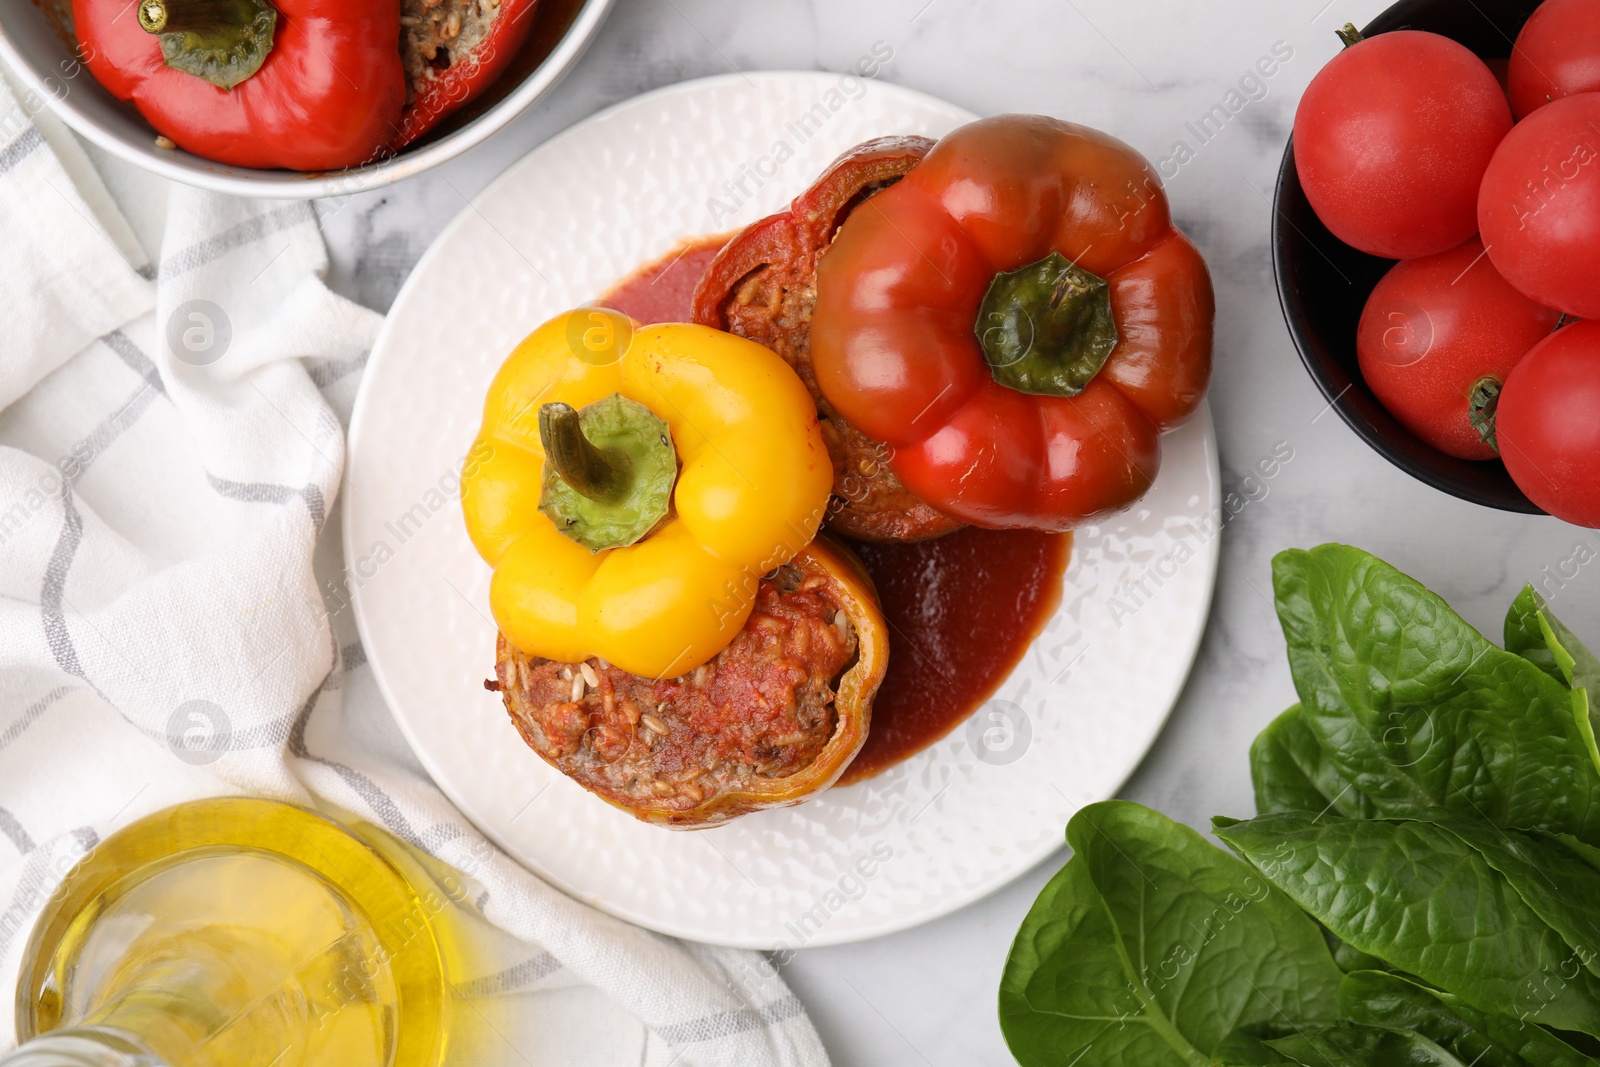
<point x="244" y="933"/>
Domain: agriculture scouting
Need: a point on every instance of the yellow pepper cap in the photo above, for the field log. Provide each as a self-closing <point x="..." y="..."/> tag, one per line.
<point x="751" y="492"/>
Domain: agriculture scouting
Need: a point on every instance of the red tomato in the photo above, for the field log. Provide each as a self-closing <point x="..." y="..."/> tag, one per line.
<point x="1539" y="208"/>
<point x="1557" y="54"/>
<point x="1392" y="138"/>
<point x="1432" y="330"/>
<point x="1548" y="430"/>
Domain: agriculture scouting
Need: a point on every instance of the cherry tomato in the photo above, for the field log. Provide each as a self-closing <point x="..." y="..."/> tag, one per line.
<point x="1539" y="208"/>
<point x="1546" y="423"/>
<point x="1439" y="336"/>
<point x="1557" y="54"/>
<point x="1392" y="138"/>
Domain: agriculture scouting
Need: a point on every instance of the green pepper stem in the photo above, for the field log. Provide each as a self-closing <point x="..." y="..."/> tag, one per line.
<point x="196" y="16"/>
<point x="1482" y="401"/>
<point x="600" y="475"/>
<point x="1349" y="34"/>
<point x="153" y="15"/>
<point x="608" y="472"/>
<point x="1073" y="294"/>
<point x="223" y="42"/>
<point x="1046" y="328"/>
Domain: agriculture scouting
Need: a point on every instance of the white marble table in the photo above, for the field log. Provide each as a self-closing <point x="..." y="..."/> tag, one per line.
<point x="1146" y="70"/>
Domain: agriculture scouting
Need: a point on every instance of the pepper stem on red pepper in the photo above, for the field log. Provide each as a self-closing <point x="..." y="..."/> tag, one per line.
<point x="1046" y="328"/>
<point x="221" y="41"/>
<point x="608" y="473"/>
<point x="1349" y="34"/>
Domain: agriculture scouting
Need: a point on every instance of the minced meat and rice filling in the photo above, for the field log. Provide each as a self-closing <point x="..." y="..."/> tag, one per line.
<point x="437" y="34"/>
<point x="762" y="709"/>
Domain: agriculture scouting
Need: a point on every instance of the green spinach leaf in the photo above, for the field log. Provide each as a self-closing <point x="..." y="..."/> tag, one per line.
<point x="1281" y="784"/>
<point x="1582" y="671"/>
<point x="1587" y="853"/>
<point x="1150" y="946"/>
<point x="1418" y="896"/>
<point x="1476" y="1037"/>
<point x="1419" y="711"/>
<point x="1344" y="1044"/>
<point x="1243" y="1049"/>
<point x="1433" y="806"/>
<point x="1367" y="1046"/>
<point x="1349" y="958"/>
<point x="1524" y="636"/>
<point x="1291" y="772"/>
<point x="1578" y="666"/>
<point x="1534" y="633"/>
<point x="1560" y="887"/>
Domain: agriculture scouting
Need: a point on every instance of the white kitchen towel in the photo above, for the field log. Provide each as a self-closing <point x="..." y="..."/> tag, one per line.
<point x="60" y="288"/>
<point x="171" y="448"/>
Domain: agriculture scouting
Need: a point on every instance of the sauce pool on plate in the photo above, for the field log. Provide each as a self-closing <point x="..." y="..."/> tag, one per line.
<point x="663" y="291"/>
<point x="962" y="609"/>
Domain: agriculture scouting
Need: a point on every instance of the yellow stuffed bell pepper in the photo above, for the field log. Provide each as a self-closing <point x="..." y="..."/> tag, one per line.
<point x="631" y="484"/>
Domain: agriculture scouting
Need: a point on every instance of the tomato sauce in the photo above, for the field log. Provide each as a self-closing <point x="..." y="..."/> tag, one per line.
<point x="663" y="291"/>
<point x="962" y="609"/>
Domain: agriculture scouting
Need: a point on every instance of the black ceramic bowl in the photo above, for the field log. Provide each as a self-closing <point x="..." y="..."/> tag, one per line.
<point x="1323" y="283"/>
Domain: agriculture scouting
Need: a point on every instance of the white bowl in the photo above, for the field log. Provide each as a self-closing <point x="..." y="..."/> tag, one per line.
<point x="46" y="65"/>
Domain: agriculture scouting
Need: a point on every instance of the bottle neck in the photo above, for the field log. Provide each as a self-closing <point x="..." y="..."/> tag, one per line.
<point x="81" y="1048"/>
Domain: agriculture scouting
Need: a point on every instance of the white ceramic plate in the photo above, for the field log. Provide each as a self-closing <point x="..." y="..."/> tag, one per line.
<point x="930" y="835"/>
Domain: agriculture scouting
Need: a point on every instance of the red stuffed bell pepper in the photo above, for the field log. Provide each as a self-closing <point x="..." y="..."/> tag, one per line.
<point x="1018" y="320"/>
<point x="302" y="84"/>
<point x="763" y="286"/>
<point x="454" y="49"/>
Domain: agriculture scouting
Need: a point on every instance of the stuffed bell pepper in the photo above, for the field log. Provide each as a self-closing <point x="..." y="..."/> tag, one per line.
<point x="671" y="636"/>
<point x="763" y="285"/>
<point x="298" y="84"/>
<point x="1017" y="322"/>
<point x="301" y="84"/>
<point x="996" y="329"/>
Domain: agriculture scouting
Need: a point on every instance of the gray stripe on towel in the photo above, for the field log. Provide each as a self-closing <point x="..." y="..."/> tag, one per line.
<point x="53" y="590"/>
<point x="272" y="493"/>
<point x="220" y="244"/>
<point x="11" y="828"/>
<point x="31" y="713"/>
<point x="512" y="978"/>
<point x="24" y="145"/>
<point x="726" y="1023"/>
<point x="134" y="357"/>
